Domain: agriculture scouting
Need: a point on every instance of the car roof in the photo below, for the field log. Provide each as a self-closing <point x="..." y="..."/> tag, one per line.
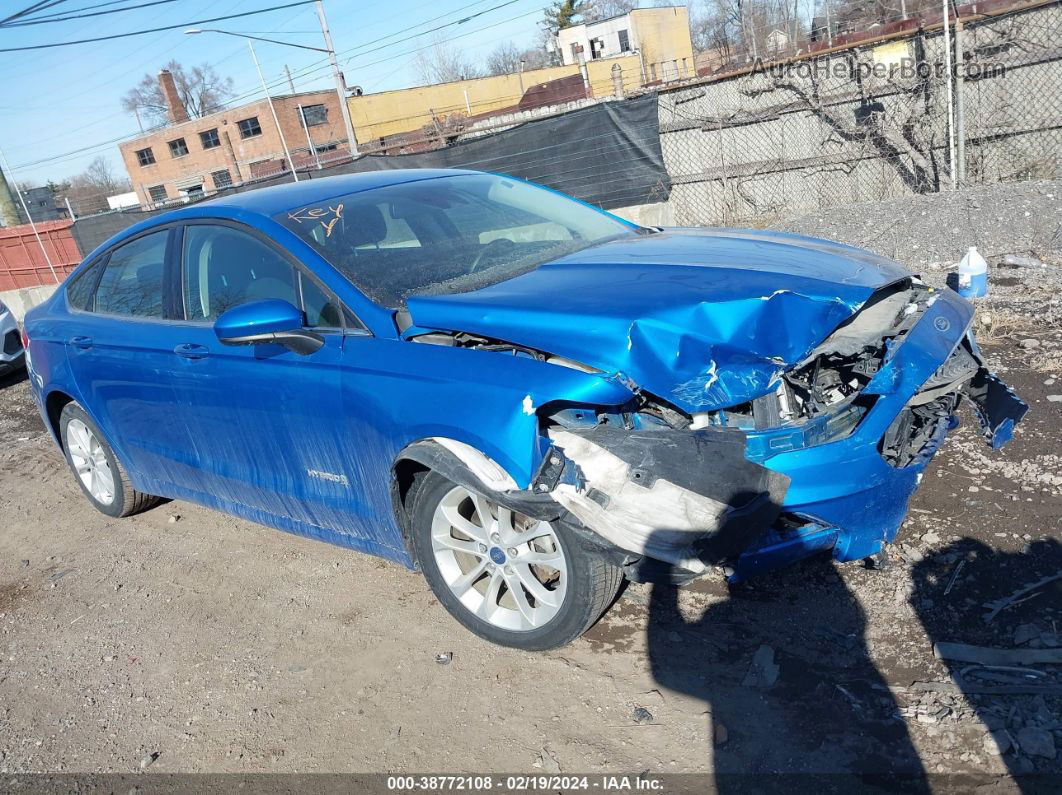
<point x="278" y="198"/>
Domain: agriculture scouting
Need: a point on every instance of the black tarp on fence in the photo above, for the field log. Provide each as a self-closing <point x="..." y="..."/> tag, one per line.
<point x="606" y="154"/>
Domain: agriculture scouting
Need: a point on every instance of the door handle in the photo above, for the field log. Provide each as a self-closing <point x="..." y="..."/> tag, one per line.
<point x="191" y="351"/>
<point x="84" y="343"/>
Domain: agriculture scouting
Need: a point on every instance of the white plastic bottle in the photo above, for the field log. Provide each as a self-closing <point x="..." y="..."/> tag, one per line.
<point x="973" y="274"/>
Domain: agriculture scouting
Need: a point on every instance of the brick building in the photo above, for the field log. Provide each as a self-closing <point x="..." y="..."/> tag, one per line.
<point x="192" y="156"/>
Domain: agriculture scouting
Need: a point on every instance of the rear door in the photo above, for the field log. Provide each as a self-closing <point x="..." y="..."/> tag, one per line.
<point x="268" y="425"/>
<point x="120" y="341"/>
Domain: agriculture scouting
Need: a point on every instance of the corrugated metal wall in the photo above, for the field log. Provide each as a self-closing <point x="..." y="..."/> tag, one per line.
<point x="23" y="263"/>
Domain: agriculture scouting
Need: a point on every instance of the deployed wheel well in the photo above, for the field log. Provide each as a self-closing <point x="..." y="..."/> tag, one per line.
<point x="54" y="405"/>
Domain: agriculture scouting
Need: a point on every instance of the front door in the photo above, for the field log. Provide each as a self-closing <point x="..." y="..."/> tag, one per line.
<point x="268" y="426"/>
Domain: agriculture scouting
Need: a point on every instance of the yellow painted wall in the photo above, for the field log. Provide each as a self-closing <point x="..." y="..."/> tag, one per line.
<point x="409" y="109"/>
<point x="664" y="36"/>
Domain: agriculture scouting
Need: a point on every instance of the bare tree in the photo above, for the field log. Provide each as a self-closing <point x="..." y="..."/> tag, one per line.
<point x="605" y="9"/>
<point x="200" y="88"/>
<point x="88" y="191"/>
<point x="444" y="63"/>
<point x="505" y="59"/>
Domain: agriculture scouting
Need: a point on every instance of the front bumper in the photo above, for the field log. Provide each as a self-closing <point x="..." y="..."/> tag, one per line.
<point x="12" y="356"/>
<point x="693" y="499"/>
<point x="852" y="500"/>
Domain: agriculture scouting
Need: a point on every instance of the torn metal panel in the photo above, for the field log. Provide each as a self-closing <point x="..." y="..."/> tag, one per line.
<point x="685" y="497"/>
<point x="704" y="319"/>
<point x="998" y="408"/>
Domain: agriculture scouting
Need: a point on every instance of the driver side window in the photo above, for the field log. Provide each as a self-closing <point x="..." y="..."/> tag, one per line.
<point x="225" y="267"/>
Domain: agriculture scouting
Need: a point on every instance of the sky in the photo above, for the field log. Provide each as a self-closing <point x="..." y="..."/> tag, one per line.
<point x="60" y="108"/>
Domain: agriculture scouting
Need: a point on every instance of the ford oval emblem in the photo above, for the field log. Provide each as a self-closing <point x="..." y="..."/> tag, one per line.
<point x="941" y="323"/>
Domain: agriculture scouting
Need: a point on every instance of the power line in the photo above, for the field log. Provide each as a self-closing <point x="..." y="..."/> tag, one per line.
<point x="304" y="75"/>
<point x="154" y="30"/>
<point x="41" y="6"/>
<point x="307" y="71"/>
<point x="79" y="10"/>
<point x="56" y="18"/>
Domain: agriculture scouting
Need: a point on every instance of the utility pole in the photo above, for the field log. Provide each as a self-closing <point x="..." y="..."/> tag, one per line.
<point x="22" y="199"/>
<point x="960" y="106"/>
<point x="949" y="95"/>
<point x="341" y="85"/>
<point x="309" y="140"/>
<point x="291" y="83"/>
<point x="273" y="110"/>
<point x="8" y="212"/>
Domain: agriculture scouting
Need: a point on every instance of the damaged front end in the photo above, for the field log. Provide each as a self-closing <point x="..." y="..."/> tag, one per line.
<point x="826" y="458"/>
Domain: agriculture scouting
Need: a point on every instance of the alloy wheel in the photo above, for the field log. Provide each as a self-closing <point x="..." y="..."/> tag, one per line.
<point x="508" y="569"/>
<point x="90" y="461"/>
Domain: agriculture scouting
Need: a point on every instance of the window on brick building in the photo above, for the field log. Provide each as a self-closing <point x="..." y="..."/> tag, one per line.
<point x="145" y="157"/>
<point x="157" y="193"/>
<point x="210" y="139"/>
<point x="314" y="114"/>
<point x="222" y="179"/>
<point x="178" y="148"/>
<point x="249" y="128"/>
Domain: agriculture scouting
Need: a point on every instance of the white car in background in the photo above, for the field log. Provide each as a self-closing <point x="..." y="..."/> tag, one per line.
<point x="12" y="354"/>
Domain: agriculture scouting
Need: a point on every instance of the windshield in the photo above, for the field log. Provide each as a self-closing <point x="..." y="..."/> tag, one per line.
<point x="447" y="235"/>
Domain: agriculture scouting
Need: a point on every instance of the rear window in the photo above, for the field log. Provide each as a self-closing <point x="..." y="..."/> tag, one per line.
<point x="131" y="283"/>
<point x="80" y="289"/>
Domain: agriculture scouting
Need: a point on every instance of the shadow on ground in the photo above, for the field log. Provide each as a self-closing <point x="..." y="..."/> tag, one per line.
<point x="972" y="594"/>
<point x="824" y="715"/>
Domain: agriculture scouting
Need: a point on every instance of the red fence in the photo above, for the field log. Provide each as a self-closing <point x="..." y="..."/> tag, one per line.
<point x="22" y="263"/>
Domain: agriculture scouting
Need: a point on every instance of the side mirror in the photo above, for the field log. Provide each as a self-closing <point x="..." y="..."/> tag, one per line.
<point x="261" y="322"/>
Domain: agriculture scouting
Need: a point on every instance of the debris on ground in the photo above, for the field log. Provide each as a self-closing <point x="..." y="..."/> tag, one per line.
<point x="762" y="672"/>
<point x="642" y="715"/>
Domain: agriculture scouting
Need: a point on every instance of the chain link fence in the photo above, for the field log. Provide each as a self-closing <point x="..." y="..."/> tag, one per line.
<point x="1011" y="98"/>
<point x="870" y="122"/>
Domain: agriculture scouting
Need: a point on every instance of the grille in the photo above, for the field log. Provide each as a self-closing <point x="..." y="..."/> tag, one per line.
<point x="12" y="343"/>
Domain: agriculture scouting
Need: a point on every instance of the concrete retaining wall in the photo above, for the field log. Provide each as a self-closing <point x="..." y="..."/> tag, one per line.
<point x="25" y="298"/>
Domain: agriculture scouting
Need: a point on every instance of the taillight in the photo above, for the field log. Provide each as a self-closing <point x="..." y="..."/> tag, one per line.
<point x="25" y="338"/>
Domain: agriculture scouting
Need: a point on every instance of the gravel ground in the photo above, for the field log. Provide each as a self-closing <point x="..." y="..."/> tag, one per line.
<point x="186" y="640"/>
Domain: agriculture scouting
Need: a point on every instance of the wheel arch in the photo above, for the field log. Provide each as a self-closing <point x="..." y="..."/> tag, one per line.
<point x="466" y="466"/>
<point x="54" y="403"/>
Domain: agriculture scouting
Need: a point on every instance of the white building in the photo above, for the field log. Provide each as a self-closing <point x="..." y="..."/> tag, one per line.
<point x="659" y="36"/>
<point x="123" y="200"/>
<point x="605" y="39"/>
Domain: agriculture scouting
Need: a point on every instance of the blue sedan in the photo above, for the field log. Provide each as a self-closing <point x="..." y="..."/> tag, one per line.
<point x="524" y="397"/>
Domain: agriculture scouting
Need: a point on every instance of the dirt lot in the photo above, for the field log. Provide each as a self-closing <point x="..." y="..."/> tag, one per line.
<point x="185" y="640"/>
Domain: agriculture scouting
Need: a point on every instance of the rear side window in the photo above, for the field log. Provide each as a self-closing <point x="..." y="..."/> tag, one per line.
<point x="224" y="267"/>
<point x="132" y="281"/>
<point x="81" y="288"/>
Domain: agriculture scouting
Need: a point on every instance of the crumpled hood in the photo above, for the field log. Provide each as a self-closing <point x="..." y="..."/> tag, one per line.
<point x="702" y="318"/>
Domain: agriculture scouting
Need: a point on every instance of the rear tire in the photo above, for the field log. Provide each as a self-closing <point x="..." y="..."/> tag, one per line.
<point x="511" y="579"/>
<point x="96" y="469"/>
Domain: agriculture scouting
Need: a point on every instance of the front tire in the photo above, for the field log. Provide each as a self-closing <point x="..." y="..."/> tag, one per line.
<point x="511" y="579"/>
<point x="96" y="468"/>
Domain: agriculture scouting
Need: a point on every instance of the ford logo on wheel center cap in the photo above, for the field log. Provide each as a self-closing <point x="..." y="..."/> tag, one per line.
<point x="497" y="555"/>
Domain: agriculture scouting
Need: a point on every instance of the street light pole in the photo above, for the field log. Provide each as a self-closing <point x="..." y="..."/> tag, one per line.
<point x="273" y="110"/>
<point x="341" y="85"/>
